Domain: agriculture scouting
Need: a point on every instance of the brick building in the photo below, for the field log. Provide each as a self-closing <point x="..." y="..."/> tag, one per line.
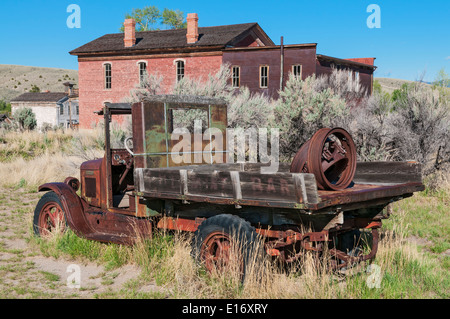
<point x="112" y="65"/>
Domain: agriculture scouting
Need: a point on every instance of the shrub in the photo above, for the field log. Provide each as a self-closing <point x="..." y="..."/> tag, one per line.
<point x="419" y="128"/>
<point x="215" y="85"/>
<point x="35" y="88"/>
<point x="304" y="107"/>
<point x="25" y="118"/>
<point x="412" y="124"/>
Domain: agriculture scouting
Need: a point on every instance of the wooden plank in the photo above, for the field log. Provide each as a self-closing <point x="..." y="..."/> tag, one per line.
<point x="183" y="182"/>
<point x="235" y="181"/>
<point x="165" y="182"/>
<point x="278" y="186"/>
<point x="211" y="184"/>
<point x="387" y="173"/>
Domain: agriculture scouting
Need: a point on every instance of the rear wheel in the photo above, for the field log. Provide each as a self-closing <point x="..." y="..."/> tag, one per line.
<point x="49" y="217"/>
<point x="226" y="242"/>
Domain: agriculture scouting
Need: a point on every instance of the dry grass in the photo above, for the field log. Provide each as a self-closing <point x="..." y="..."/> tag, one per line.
<point x="32" y="158"/>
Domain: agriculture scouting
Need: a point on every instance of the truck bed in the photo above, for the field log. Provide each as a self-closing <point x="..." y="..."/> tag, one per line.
<point x="375" y="183"/>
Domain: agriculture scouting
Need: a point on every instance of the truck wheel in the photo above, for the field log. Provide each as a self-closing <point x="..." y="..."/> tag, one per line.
<point x="49" y="215"/>
<point x="225" y="241"/>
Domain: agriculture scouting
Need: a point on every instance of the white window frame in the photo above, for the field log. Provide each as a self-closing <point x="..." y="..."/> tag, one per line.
<point x="294" y="66"/>
<point x="235" y="77"/>
<point x="262" y="77"/>
<point x="139" y="63"/>
<point x="176" y="63"/>
<point x="106" y="76"/>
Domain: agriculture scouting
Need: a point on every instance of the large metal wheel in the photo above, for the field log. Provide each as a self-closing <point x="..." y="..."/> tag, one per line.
<point x="49" y="216"/>
<point x="226" y="242"/>
<point x="331" y="156"/>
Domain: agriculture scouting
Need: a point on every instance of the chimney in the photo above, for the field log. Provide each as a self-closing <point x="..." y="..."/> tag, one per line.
<point x="192" y="28"/>
<point x="130" y="33"/>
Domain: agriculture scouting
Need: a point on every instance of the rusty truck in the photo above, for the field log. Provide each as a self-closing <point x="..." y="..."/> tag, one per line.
<point x="317" y="202"/>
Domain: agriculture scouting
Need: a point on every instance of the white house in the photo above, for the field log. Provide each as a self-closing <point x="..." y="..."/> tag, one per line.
<point x="50" y="108"/>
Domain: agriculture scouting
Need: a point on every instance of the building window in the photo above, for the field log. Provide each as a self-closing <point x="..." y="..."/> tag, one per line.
<point x="142" y="71"/>
<point x="235" y="76"/>
<point x="107" y="69"/>
<point x="297" y="70"/>
<point x="356" y="76"/>
<point x="77" y="107"/>
<point x="180" y="69"/>
<point x="263" y="76"/>
<point x="61" y="109"/>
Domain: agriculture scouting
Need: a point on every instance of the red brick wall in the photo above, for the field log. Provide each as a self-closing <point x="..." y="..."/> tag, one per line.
<point x="125" y="76"/>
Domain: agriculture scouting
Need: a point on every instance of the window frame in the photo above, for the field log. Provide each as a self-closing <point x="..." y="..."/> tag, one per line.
<point x="142" y="70"/>
<point x="356" y="76"/>
<point x="234" y="77"/>
<point x="180" y="76"/>
<point x="294" y="66"/>
<point x="107" y="78"/>
<point x="265" y="77"/>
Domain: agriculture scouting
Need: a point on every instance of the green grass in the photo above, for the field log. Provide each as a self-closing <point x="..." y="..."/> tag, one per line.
<point x="425" y="215"/>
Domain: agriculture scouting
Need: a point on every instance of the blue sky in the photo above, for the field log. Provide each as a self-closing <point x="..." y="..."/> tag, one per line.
<point x="414" y="36"/>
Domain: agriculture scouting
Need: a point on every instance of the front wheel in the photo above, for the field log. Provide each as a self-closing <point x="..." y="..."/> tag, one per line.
<point x="49" y="217"/>
<point x="225" y="243"/>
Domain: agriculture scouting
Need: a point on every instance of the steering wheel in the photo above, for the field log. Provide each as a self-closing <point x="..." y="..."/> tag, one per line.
<point x="125" y="142"/>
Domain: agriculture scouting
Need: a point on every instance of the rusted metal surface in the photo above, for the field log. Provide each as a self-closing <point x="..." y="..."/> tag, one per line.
<point x="73" y="182"/>
<point x="180" y="224"/>
<point x="286" y="246"/>
<point x="215" y="251"/>
<point x="51" y="217"/>
<point x="331" y="156"/>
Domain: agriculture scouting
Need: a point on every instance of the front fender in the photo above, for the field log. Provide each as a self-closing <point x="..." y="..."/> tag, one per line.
<point x="72" y="205"/>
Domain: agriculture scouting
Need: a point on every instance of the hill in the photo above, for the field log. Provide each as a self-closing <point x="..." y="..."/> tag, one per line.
<point x="18" y="79"/>
<point x="389" y="85"/>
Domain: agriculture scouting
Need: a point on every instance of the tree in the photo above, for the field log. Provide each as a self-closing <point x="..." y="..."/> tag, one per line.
<point x="173" y="19"/>
<point x="150" y="18"/>
<point x="5" y="107"/>
<point x="442" y="84"/>
<point x="442" y="79"/>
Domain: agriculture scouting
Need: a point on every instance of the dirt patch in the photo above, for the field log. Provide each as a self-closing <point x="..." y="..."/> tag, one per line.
<point x="26" y="273"/>
<point x="419" y="241"/>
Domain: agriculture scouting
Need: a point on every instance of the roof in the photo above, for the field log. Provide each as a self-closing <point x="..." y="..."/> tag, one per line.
<point x="221" y="36"/>
<point x="344" y="61"/>
<point x="40" y="97"/>
<point x="273" y="47"/>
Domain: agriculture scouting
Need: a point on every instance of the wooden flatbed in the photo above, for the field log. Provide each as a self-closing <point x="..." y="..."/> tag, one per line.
<point x="244" y="185"/>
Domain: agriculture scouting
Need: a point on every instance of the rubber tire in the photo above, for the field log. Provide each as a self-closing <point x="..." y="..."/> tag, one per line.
<point x="231" y="225"/>
<point x="48" y="197"/>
